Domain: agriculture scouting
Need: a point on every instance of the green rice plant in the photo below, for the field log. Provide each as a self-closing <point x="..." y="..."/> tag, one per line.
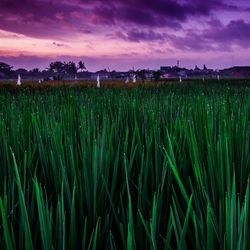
<point x="138" y="167"/>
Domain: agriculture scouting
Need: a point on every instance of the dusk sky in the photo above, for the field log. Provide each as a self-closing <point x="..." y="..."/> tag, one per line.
<point x="120" y="35"/>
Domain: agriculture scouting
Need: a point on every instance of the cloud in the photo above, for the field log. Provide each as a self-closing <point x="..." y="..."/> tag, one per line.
<point x="136" y="35"/>
<point x="75" y="27"/>
<point x="60" y="45"/>
<point x="218" y="37"/>
<point x="40" y="19"/>
<point x="44" y="18"/>
<point x="9" y="35"/>
<point x="236" y="32"/>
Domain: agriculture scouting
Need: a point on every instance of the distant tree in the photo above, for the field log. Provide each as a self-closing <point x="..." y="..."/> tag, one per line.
<point x="142" y="74"/>
<point x="62" y="69"/>
<point x="35" y="71"/>
<point x="157" y="74"/>
<point x="81" y="66"/>
<point x="70" y="68"/>
<point x="5" y="70"/>
<point x="196" y="68"/>
<point x="57" y="67"/>
<point x="204" y="67"/>
<point x="21" y="71"/>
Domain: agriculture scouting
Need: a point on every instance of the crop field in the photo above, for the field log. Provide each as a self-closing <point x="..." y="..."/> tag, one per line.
<point x="154" y="166"/>
<point x="31" y="84"/>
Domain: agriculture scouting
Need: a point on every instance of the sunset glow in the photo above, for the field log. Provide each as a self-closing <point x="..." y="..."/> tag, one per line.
<point x="125" y="34"/>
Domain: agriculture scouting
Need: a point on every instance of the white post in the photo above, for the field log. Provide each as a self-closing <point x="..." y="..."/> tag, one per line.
<point x="19" y="80"/>
<point x="180" y="79"/>
<point x="98" y="84"/>
<point x="127" y="81"/>
<point x="218" y="77"/>
<point x="134" y="78"/>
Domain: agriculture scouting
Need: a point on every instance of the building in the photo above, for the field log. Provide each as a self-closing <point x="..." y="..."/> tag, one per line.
<point x="165" y="69"/>
<point x="237" y="71"/>
<point x="103" y="74"/>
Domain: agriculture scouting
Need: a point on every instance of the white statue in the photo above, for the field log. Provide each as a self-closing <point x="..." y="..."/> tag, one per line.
<point x="19" y="80"/>
<point x="98" y="84"/>
<point x="134" y="78"/>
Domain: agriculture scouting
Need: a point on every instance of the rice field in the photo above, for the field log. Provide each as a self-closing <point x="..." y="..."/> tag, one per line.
<point x="155" y="166"/>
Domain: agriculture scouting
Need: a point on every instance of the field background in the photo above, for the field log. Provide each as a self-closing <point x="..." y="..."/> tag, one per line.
<point x="156" y="166"/>
<point x="11" y="84"/>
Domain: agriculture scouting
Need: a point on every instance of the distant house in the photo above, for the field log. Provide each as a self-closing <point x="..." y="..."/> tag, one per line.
<point x="119" y="74"/>
<point x="165" y="75"/>
<point x="237" y="71"/>
<point x="182" y="73"/>
<point x="84" y="75"/>
<point x="165" y="69"/>
<point x="175" y="71"/>
<point x="2" y="75"/>
<point x="103" y="74"/>
<point x="149" y="75"/>
<point x="168" y="75"/>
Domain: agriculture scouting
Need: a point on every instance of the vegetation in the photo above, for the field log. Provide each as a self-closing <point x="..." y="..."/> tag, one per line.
<point x="57" y="69"/>
<point x="162" y="167"/>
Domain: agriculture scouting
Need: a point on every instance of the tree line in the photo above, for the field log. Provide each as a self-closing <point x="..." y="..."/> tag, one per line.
<point x="57" y="68"/>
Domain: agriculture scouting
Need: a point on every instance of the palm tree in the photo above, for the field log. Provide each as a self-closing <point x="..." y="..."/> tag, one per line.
<point x="81" y="66"/>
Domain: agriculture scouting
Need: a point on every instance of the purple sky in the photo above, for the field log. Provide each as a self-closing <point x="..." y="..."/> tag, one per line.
<point x="119" y="34"/>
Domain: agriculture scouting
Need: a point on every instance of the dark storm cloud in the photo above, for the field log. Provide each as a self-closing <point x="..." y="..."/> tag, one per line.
<point x="236" y="32"/>
<point x="136" y="35"/>
<point x="157" y="13"/>
<point x="218" y="37"/>
<point x="42" y="19"/>
<point x="130" y="20"/>
<point x="54" y="17"/>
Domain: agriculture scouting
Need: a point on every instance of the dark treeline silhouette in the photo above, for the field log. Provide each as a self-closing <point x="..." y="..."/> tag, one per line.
<point x="55" y="71"/>
<point x="61" y="70"/>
